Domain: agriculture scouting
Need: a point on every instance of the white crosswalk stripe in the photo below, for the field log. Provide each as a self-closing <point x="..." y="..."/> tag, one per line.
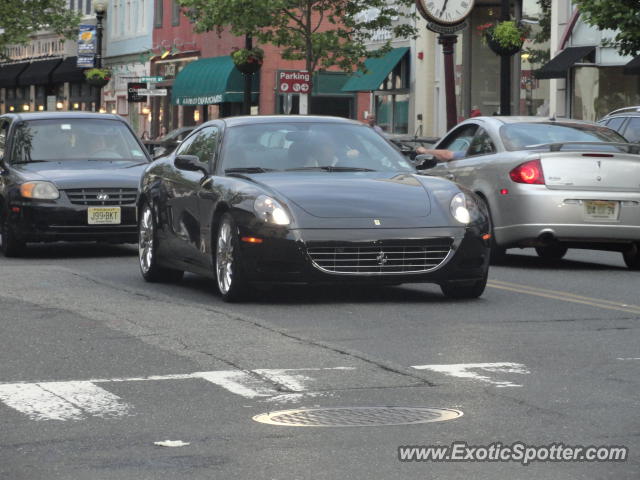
<point x="78" y="400"/>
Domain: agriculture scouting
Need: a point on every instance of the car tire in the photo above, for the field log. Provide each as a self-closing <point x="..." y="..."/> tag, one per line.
<point x="552" y="252"/>
<point x="147" y="248"/>
<point x="498" y="254"/>
<point x="632" y="257"/>
<point x="229" y="274"/>
<point x="470" y="291"/>
<point x="10" y="245"/>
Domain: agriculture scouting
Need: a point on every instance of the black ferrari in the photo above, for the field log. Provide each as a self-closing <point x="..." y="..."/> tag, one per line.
<point x="68" y="176"/>
<point x="306" y="200"/>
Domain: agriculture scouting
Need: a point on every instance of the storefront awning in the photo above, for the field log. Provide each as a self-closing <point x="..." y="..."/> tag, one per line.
<point x="633" y="67"/>
<point x="67" y="71"/>
<point x="330" y="83"/>
<point x="559" y="65"/>
<point x="9" y="74"/>
<point x="378" y="70"/>
<point x="210" y="81"/>
<point x="38" y="73"/>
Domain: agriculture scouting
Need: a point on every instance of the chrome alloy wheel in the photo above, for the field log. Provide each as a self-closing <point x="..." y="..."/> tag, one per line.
<point x="145" y="240"/>
<point x="224" y="257"/>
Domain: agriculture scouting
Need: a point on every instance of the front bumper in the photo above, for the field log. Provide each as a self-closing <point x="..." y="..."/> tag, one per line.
<point x="63" y="221"/>
<point x="532" y="215"/>
<point x="283" y="256"/>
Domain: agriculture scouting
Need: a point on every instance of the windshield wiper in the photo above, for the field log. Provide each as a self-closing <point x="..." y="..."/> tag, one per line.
<point x="329" y="168"/>
<point x="248" y="170"/>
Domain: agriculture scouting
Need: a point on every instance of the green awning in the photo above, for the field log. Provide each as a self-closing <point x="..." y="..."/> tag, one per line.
<point x="209" y="81"/>
<point x="330" y="83"/>
<point x="379" y="69"/>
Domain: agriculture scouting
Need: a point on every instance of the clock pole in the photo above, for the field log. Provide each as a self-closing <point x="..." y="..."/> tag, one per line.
<point x="448" y="42"/>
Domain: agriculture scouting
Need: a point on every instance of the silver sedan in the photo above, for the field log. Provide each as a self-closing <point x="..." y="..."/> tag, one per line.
<point x="550" y="184"/>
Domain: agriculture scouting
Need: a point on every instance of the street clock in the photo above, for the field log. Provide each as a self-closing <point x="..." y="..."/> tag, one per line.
<point x="445" y="12"/>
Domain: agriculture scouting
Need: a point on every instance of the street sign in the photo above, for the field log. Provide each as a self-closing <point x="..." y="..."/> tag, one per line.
<point x="153" y="92"/>
<point x="294" y="81"/>
<point x="152" y="79"/>
<point x="133" y="92"/>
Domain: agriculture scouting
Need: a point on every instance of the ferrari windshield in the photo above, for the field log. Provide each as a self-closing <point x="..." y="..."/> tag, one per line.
<point x="64" y="139"/>
<point x="519" y="136"/>
<point x="300" y="146"/>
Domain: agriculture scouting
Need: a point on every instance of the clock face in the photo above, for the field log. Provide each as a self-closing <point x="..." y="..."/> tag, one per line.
<point x="445" y="12"/>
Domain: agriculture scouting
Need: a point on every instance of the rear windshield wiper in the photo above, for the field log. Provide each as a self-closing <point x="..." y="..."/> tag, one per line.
<point x="248" y="170"/>
<point x="329" y="168"/>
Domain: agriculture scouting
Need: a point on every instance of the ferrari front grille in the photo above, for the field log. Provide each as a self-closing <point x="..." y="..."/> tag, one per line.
<point x="369" y="259"/>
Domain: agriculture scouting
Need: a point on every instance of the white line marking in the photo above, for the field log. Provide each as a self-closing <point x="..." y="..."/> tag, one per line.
<point x="89" y="398"/>
<point x="465" y="370"/>
<point x="628" y="358"/>
<point x="61" y="400"/>
<point x="37" y="403"/>
<point x="294" y="382"/>
<point x="238" y="382"/>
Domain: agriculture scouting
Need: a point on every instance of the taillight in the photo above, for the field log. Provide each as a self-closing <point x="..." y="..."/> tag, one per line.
<point x="529" y="172"/>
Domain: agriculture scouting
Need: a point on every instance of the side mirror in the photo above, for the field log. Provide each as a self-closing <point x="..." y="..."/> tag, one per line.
<point x="190" y="163"/>
<point x="425" y="162"/>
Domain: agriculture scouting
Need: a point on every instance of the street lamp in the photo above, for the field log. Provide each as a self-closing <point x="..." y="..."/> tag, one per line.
<point x="100" y="7"/>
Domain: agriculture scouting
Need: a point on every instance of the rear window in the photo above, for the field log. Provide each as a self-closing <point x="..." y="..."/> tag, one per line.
<point x="74" y="139"/>
<point x="520" y="136"/>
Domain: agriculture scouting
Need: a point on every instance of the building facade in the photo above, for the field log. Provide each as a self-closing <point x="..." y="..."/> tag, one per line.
<point x="43" y="76"/>
<point x="128" y="28"/>
<point x="588" y="79"/>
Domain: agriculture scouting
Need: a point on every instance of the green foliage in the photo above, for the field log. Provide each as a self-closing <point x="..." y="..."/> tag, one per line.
<point x="324" y="33"/>
<point x="242" y="55"/>
<point x="620" y="15"/>
<point x="22" y="18"/>
<point x="506" y="33"/>
<point x="98" y="73"/>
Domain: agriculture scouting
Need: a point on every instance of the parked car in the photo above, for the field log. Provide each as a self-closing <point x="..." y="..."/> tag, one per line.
<point x="550" y="184"/>
<point x="306" y="199"/>
<point x="67" y="176"/>
<point x="168" y="143"/>
<point x="408" y="144"/>
<point x="625" y="121"/>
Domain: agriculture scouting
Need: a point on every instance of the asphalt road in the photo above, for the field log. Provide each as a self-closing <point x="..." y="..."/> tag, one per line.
<point x="96" y="366"/>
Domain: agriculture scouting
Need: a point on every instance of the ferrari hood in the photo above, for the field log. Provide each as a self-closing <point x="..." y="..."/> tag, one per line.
<point x="351" y="194"/>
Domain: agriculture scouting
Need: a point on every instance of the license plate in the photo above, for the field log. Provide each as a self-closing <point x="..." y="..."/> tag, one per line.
<point x="104" y="216"/>
<point x="601" y="210"/>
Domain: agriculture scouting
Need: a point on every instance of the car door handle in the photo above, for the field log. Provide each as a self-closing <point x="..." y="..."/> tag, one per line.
<point x="451" y="176"/>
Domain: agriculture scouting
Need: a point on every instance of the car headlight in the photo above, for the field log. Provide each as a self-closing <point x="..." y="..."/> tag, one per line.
<point x="269" y="210"/>
<point x="39" y="191"/>
<point x="459" y="209"/>
<point x="467" y="209"/>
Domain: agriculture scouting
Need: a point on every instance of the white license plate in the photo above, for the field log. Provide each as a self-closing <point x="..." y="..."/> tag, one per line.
<point x="104" y="215"/>
<point x="601" y="210"/>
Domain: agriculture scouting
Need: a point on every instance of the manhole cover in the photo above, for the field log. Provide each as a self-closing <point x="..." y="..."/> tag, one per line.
<point x="357" y="416"/>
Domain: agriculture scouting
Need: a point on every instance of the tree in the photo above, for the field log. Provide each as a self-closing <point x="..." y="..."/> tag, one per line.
<point x="21" y="18"/>
<point x="619" y="15"/>
<point x="324" y="33"/>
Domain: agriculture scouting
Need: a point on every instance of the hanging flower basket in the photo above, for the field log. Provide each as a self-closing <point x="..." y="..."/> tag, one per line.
<point x="248" y="61"/>
<point x="98" y="77"/>
<point x="503" y="38"/>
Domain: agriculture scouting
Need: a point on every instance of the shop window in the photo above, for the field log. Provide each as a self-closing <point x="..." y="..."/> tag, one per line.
<point x="157" y="18"/>
<point x="175" y="13"/>
<point x="392" y="113"/>
<point x="598" y="91"/>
